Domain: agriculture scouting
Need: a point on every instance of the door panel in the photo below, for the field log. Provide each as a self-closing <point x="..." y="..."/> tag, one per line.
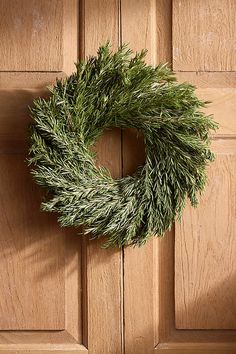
<point x="196" y="271"/>
<point x="103" y="267"/>
<point x="31" y="296"/>
<point x="179" y="292"/>
<point x="205" y="266"/>
<point x="40" y="263"/>
<point x="59" y="293"/>
<point x="204" y="35"/>
<point x="222" y="106"/>
<point x="34" y="29"/>
<point x="138" y="28"/>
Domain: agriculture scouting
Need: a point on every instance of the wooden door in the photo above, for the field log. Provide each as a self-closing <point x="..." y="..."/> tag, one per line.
<point x="58" y="294"/>
<point x="180" y="292"/>
<point x="62" y="294"/>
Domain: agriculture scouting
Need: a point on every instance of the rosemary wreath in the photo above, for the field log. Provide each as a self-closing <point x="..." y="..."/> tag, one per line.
<point x="120" y="90"/>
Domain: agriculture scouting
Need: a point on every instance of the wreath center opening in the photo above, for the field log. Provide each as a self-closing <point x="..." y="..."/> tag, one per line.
<point x="128" y="147"/>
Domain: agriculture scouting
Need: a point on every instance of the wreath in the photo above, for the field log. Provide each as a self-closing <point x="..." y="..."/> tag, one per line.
<point x="120" y="90"/>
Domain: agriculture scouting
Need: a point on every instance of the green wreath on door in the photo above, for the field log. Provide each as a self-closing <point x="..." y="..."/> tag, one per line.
<point x="120" y="90"/>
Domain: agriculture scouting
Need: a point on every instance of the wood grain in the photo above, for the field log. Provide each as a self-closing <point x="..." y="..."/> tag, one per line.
<point x="149" y="296"/>
<point x="15" y="118"/>
<point x="205" y="265"/>
<point x="219" y="90"/>
<point x="209" y="79"/>
<point x="44" y="349"/>
<point x="39" y="342"/>
<point x="32" y="28"/>
<point x="70" y="34"/>
<point x="28" y="80"/>
<point x="31" y="262"/>
<point x="164" y="288"/>
<point x="164" y="31"/>
<point x="204" y="35"/>
<point x="40" y="262"/>
<point x="73" y="284"/>
<point x="35" y="338"/>
<point x="139" y="15"/>
<point x="222" y="107"/>
<point x="195" y="348"/>
<point x="163" y="310"/>
<point x="99" y="24"/>
<point x="102" y="268"/>
<point x="140" y="264"/>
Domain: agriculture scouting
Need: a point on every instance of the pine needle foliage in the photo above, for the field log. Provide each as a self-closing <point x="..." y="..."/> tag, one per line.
<point x="120" y="90"/>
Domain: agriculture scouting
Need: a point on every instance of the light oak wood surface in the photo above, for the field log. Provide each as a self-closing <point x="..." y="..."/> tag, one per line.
<point x="140" y="264"/>
<point x="204" y="35"/>
<point x="31" y="272"/>
<point x="103" y="267"/>
<point x="33" y="29"/>
<point x="41" y="279"/>
<point x="204" y="255"/>
<point x="63" y="294"/>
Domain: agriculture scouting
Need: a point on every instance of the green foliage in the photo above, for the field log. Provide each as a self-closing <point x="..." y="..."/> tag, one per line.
<point x="120" y="90"/>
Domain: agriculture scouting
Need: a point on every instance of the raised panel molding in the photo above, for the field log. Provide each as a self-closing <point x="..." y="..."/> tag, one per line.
<point x="31" y="272"/>
<point x="205" y="292"/>
<point x="218" y="88"/>
<point x="41" y="276"/>
<point x="195" y="348"/>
